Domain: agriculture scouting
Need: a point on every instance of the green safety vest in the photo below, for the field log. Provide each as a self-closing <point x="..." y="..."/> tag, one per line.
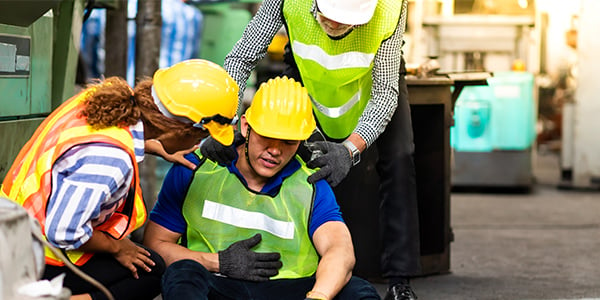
<point x="220" y="210"/>
<point x="337" y="73"/>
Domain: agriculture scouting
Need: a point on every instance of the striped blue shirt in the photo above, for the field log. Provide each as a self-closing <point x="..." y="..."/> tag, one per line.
<point x="88" y="183"/>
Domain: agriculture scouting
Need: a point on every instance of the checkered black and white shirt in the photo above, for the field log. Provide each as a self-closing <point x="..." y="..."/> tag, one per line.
<point x="252" y="47"/>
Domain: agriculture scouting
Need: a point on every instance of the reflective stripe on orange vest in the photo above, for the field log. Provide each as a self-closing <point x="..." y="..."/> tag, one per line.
<point x="28" y="181"/>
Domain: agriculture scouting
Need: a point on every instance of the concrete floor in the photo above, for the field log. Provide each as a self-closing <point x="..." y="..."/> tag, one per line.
<point x="539" y="245"/>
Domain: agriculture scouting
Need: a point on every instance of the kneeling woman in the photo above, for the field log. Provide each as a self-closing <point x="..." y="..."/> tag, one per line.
<point x="78" y="175"/>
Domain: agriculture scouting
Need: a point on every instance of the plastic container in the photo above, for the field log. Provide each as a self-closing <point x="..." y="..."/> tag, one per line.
<point x="472" y="113"/>
<point x="499" y="116"/>
<point x="514" y="110"/>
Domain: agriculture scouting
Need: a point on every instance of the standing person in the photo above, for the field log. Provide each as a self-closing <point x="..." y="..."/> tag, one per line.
<point x="78" y="174"/>
<point x="256" y="228"/>
<point x="91" y="47"/>
<point x="348" y="55"/>
<point x="181" y="34"/>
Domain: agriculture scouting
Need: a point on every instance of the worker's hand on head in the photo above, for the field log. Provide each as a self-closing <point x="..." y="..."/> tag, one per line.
<point x="132" y="257"/>
<point x="334" y="163"/>
<point x="239" y="262"/>
<point x="220" y="153"/>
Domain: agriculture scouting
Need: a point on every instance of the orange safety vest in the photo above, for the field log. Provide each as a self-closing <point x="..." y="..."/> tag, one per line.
<point x="29" y="180"/>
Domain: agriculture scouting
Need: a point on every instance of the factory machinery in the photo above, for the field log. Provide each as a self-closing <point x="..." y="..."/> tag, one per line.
<point x="39" y="44"/>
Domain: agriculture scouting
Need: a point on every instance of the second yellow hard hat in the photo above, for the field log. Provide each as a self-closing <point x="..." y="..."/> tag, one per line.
<point x="199" y="90"/>
<point x="281" y="109"/>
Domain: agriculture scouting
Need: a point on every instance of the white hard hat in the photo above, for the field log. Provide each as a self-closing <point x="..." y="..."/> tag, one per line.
<point x="350" y="12"/>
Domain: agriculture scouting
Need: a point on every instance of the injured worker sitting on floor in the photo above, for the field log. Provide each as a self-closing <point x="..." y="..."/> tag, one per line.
<point x="78" y="175"/>
<point x="256" y="228"/>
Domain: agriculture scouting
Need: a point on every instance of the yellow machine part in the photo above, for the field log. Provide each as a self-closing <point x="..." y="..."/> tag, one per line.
<point x="276" y="48"/>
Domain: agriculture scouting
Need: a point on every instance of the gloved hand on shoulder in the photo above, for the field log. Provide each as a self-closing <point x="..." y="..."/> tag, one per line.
<point x="220" y="153"/>
<point x="239" y="262"/>
<point x="334" y="163"/>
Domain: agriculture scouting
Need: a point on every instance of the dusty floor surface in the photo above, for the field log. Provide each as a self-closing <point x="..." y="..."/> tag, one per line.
<point x="539" y="245"/>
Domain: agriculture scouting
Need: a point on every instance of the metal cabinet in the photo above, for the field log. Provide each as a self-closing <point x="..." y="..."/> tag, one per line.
<point x="431" y="110"/>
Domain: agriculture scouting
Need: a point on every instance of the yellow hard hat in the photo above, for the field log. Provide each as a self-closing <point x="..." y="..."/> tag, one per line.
<point x="281" y="109"/>
<point x="518" y="65"/>
<point x="201" y="91"/>
<point x="276" y="48"/>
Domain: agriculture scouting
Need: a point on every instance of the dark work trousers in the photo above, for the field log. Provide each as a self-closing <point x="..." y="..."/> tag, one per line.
<point x="398" y="210"/>
<point x="114" y="276"/>
<point x="399" y="216"/>
<point x="187" y="279"/>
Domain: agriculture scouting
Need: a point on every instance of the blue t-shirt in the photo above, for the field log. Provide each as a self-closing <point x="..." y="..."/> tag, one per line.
<point x="168" y="209"/>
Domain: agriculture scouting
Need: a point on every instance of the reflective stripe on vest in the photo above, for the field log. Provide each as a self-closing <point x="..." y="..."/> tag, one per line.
<point x="220" y="210"/>
<point x="28" y="181"/>
<point x="337" y="73"/>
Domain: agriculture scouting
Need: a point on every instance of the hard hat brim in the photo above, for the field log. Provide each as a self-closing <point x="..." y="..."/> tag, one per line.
<point x="295" y="134"/>
<point x="222" y="133"/>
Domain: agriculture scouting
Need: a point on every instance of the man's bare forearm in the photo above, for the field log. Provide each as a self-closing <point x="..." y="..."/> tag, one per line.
<point x="164" y="242"/>
<point x="332" y="240"/>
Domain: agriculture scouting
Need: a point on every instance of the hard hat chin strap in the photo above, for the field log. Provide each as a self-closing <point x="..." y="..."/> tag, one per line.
<point x="247" y="142"/>
<point x="217" y="118"/>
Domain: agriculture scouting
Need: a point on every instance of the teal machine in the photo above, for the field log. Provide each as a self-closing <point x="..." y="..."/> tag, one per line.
<point x="494" y="133"/>
<point x="38" y="61"/>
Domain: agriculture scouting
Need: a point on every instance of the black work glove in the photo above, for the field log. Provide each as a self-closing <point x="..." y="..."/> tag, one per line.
<point x="239" y="262"/>
<point x="335" y="162"/>
<point x="220" y="153"/>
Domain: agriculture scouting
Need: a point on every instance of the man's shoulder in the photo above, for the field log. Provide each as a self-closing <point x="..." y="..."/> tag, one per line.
<point x="193" y="157"/>
<point x="296" y="167"/>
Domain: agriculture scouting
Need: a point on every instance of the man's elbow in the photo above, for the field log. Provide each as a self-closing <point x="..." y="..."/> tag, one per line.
<point x="351" y="261"/>
<point x="150" y="242"/>
<point x="151" y="239"/>
<point x="348" y="260"/>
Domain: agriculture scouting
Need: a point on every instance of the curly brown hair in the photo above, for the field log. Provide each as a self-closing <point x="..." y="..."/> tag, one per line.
<point x="109" y="104"/>
<point x="113" y="103"/>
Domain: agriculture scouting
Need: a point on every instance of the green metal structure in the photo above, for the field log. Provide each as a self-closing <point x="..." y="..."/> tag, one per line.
<point x="39" y="44"/>
<point x="224" y="24"/>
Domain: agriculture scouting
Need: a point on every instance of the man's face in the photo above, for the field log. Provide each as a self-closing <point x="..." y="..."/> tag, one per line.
<point x="333" y="28"/>
<point x="268" y="156"/>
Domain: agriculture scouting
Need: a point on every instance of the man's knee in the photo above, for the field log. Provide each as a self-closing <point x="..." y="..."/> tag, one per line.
<point x="358" y="289"/>
<point x="185" y="276"/>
